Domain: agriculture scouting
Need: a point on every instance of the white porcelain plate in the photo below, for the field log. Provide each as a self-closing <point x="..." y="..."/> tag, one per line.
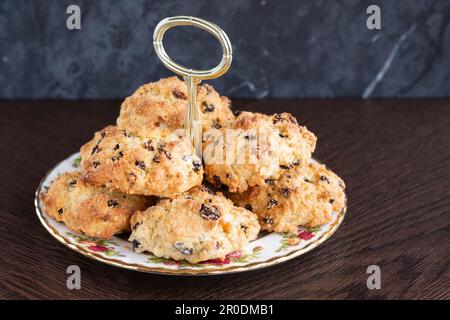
<point x="269" y="249"/>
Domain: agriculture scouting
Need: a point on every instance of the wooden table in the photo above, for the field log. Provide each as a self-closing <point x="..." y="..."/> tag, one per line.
<point x="394" y="156"/>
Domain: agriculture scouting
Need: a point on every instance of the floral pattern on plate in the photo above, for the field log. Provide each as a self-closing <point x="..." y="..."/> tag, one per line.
<point x="293" y="239"/>
<point x="106" y="247"/>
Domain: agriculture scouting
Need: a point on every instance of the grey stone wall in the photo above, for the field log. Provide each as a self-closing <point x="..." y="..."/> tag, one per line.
<point x="283" y="48"/>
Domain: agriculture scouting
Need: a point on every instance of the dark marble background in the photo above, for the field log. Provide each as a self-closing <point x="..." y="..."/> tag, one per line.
<point x="285" y="48"/>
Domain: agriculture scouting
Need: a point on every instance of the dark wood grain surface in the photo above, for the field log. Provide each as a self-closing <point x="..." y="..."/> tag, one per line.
<point x="394" y="156"/>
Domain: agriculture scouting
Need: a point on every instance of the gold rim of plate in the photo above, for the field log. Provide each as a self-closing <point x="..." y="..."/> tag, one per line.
<point x="204" y="271"/>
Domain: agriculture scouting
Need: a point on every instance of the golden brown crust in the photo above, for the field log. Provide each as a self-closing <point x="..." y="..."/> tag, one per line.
<point x="163" y="104"/>
<point x="281" y="141"/>
<point x="196" y="226"/>
<point x="300" y="197"/>
<point x="90" y="210"/>
<point x="160" y="164"/>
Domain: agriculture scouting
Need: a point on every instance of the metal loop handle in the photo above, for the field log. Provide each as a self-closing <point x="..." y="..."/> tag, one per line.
<point x="213" y="29"/>
<point x="193" y="120"/>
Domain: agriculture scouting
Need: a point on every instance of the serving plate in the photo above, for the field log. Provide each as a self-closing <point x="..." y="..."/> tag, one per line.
<point x="269" y="249"/>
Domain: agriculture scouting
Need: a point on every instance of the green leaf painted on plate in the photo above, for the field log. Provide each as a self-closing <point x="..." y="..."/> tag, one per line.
<point x="76" y="162"/>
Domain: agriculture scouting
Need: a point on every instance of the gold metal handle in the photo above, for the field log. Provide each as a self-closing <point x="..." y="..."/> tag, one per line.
<point x="220" y="35"/>
<point x="193" y="77"/>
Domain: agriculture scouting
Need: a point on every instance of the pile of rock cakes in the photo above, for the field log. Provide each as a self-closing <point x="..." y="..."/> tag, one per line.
<point x="142" y="176"/>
